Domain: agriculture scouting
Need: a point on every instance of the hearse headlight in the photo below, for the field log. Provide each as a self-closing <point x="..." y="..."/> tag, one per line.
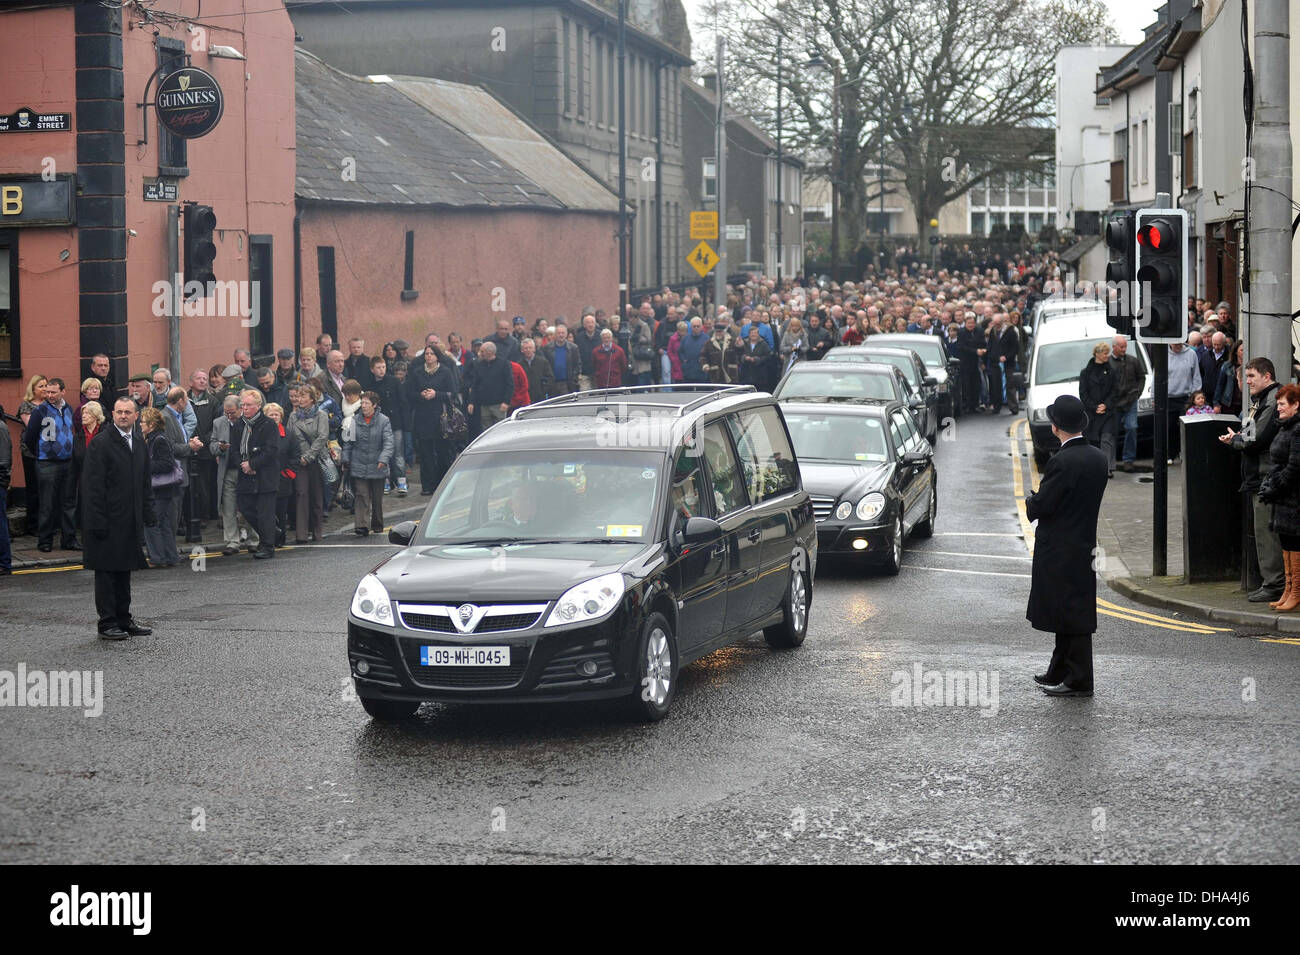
<point x="1038" y="416"/>
<point x="589" y="601"/>
<point x="844" y="510"/>
<point x="869" y="507"/>
<point x="371" y="602"/>
<point x="1146" y="405"/>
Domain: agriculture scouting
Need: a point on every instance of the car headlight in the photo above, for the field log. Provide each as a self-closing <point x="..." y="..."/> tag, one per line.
<point x="1038" y="416"/>
<point x="371" y="602"/>
<point x="588" y="601"/>
<point x="869" y="507"/>
<point x="844" y="510"/>
<point x="1146" y="405"/>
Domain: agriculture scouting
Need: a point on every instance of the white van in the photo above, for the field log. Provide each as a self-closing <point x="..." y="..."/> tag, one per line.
<point x="1058" y="352"/>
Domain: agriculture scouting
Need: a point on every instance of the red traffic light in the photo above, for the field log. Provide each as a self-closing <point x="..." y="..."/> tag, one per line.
<point x="1157" y="235"/>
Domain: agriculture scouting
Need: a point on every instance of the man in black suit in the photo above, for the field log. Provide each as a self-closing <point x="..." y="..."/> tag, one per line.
<point x="1063" y="594"/>
<point x="255" y="454"/>
<point x="971" y="348"/>
<point x="118" y="503"/>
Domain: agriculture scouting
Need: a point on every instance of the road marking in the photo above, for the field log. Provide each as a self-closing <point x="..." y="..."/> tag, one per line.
<point x="1203" y="631"/>
<point x="952" y="570"/>
<point x="1153" y="616"/>
<point x="1018" y="481"/>
<point x="974" y="534"/>
<point x="949" y="553"/>
<point x="1291" y="641"/>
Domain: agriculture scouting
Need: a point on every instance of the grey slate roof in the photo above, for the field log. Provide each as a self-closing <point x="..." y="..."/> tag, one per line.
<point x="406" y="153"/>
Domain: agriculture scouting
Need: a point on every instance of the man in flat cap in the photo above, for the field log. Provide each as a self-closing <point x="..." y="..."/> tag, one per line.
<point x="1063" y="593"/>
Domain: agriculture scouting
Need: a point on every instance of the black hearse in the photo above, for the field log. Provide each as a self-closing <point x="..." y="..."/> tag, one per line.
<point x="588" y="547"/>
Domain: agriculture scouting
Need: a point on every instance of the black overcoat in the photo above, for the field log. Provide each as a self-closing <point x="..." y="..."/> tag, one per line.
<point x="1281" y="486"/>
<point x="1063" y="593"/>
<point x="118" y="501"/>
<point x="263" y="454"/>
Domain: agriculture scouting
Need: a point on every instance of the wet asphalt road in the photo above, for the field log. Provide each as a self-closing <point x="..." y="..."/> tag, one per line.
<point x="230" y="734"/>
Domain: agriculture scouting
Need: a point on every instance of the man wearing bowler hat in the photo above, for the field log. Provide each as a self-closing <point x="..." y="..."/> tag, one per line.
<point x="1063" y="594"/>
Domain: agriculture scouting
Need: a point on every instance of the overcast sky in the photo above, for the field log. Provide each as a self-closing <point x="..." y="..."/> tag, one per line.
<point x="1129" y="16"/>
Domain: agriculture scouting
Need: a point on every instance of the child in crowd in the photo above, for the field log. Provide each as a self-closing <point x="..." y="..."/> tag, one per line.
<point x="1199" y="404"/>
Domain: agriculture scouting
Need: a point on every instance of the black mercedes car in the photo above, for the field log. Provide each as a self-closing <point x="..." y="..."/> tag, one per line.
<point x="870" y="474"/>
<point x="588" y="547"/>
<point x="924" y="402"/>
<point x="874" y="381"/>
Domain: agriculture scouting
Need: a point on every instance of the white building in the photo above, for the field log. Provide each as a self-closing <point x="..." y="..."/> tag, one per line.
<point x="1083" y="138"/>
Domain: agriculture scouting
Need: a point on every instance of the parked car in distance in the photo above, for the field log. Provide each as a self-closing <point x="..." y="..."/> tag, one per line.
<point x="589" y="547"/>
<point x="871" y="476"/>
<point x="1058" y="353"/>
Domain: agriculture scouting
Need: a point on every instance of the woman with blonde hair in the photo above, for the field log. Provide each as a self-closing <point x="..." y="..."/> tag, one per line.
<point x="165" y="475"/>
<point x="92" y="389"/>
<point x="32" y="397"/>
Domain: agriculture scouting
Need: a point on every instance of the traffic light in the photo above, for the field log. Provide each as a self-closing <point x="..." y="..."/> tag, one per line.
<point x="1161" y="253"/>
<point x="1121" y="270"/>
<point x="200" y="249"/>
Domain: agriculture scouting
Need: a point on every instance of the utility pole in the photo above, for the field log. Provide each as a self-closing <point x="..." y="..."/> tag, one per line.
<point x="780" y="170"/>
<point x="1159" y="437"/>
<point x="622" y="163"/>
<point x="1269" y="215"/>
<point x="835" y="174"/>
<point x="174" y="282"/>
<point x="720" y="270"/>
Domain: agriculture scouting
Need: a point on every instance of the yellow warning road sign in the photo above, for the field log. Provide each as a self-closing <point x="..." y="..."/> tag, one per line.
<point x="703" y="258"/>
<point x="704" y="225"/>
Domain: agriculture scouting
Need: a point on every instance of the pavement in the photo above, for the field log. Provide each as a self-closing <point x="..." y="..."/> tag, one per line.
<point x="338" y="522"/>
<point x="1124" y="541"/>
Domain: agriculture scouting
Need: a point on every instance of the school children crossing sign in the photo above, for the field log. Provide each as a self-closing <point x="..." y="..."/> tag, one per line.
<point x="703" y="259"/>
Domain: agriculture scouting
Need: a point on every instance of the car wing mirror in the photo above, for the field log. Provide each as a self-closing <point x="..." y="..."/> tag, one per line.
<point x="917" y="457"/>
<point x="930" y="380"/>
<point x="402" y="533"/>
<point x="698" y="532"/>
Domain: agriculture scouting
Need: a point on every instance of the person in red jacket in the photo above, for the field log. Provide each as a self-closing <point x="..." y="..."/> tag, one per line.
<point x="521" y="397"/>
<point x="608" y="362"/>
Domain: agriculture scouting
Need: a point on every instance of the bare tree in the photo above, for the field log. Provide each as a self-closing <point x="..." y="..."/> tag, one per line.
<point x="949" y="92"/>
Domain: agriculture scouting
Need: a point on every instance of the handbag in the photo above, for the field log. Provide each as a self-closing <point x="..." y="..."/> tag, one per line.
<point x="171" y="479"/>
<point x="453" y="422"/>
<point x="329" y="471"/>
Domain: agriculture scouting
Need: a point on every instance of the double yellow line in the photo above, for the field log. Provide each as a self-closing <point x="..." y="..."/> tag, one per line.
<point x="1155" y="620"/>
<point x="1022" y="450"/>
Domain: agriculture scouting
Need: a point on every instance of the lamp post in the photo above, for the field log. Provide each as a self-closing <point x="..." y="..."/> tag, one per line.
<point x="622" y="165"/>
<point x="780" y="170"/>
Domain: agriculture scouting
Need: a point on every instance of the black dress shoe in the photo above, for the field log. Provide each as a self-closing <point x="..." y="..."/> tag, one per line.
<point x="1062" y="689"/>
<point x="1042" y="679"/>
<point x="263" y="554"/>
<point x="45" y="548"/>
<point x="1264" y="595"/>
<point x="113" y="633"/>
<point x="75" y="545"/>
<point x="135" y="630"/>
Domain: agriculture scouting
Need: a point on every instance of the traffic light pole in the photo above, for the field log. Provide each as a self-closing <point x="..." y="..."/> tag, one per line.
<point x="1160" y="440"/>
<point x="174" y="299"/>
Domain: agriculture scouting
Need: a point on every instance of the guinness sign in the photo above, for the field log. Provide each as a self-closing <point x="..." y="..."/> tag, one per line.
<point x="189" y="102"/>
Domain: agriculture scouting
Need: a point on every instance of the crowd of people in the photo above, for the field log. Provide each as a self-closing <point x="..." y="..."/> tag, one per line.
<point x="283" y="443"/>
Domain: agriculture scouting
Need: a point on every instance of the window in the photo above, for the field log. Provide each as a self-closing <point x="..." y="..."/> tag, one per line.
<point x="1135" y="141"/>
<point x="9" y="354"/>
<point x="766" y="458"/>
<point x="598" y="81"/>
<point x="728" y="490"/>
<point x="1145" y="148"/>
<point x="709" y="187"/>
<point x="898" y="433"/>
<point x="329" y="317"/>
<point x="566" y="54"/>
<point x="629" y="92"/>
<point x="582" y="73"/>
<point x="687" y="497"/>
<point x="1035" y="223"/>
<point x="172" y="156"/>
<point x="977" y="223"/>
<point x="261" y="273"/>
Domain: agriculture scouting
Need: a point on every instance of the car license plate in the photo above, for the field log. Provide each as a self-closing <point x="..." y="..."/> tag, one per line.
<point x="465" y="656"/>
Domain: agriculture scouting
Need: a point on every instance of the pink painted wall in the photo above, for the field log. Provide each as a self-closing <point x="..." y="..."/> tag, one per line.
<point x="244" y="169"/>
<point x="545" y="263"/>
